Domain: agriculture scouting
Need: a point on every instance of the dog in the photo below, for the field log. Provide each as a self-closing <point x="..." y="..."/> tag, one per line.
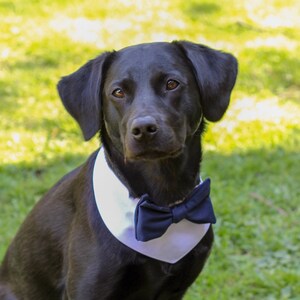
<point x="150" y="104"/>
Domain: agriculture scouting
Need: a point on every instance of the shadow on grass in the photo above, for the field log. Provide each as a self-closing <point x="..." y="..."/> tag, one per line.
<point x="194" y="9"/>
<point x="271" y="69"/>
<point x="24" y="78"/>
<point x="8" y="95"/>
<point x="36" y="62"/>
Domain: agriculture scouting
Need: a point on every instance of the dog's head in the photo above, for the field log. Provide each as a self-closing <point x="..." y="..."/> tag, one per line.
<point x="150" y="98"/>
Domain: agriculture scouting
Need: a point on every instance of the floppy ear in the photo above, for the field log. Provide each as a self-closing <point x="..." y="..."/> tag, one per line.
<point x="80" y="94"/>
<point x="216" y="73"/>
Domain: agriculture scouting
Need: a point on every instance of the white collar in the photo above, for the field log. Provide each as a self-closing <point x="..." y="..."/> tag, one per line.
<point x="117" y="209"/>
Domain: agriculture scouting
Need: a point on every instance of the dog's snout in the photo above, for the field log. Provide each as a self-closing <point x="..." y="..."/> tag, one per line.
<point x="144" y="128"/>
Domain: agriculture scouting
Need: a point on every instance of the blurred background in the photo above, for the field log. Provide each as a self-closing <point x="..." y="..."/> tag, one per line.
<point x="252" y="155"/>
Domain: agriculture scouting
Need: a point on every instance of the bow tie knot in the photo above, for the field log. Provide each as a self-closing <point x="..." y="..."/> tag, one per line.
<point x="178" y="213"/>
<point x="152" y="221"/>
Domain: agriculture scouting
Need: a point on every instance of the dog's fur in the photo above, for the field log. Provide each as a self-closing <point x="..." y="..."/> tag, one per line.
<point x="149" y="102"/>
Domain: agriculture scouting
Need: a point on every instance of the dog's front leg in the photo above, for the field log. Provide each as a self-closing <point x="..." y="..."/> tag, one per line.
<point x="89" y="270"/>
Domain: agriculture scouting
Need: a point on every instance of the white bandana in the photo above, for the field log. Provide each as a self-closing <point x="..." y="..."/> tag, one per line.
<point x="117" y="211"/>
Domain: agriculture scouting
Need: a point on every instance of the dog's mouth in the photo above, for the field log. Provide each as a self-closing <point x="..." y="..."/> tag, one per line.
<point x="154" y="154"/>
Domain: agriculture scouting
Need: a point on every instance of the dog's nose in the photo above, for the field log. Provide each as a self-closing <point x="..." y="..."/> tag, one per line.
<point x="143" y="128"/>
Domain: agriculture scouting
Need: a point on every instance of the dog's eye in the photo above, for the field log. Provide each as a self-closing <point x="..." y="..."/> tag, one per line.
<point x="172" y="84"/>
<point x="118" y="93"/>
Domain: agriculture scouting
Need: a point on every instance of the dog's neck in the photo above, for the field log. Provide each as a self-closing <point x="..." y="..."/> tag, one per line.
<point x="165" y="181"/>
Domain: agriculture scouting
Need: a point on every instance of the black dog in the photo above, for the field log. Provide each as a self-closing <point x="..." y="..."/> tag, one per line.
<point x="149" y="103"/>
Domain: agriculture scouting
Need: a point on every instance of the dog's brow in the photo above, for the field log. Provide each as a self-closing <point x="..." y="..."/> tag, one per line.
<point x="164" y="75"/>
<point x="127" y="84"/>
<point x="122" y="82"/>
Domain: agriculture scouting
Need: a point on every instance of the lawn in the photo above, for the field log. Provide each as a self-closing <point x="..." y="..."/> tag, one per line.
<point x="252" y="155"/>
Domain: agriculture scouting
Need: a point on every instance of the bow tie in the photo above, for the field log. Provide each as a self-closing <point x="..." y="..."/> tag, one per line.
<point x="152" y="221"/>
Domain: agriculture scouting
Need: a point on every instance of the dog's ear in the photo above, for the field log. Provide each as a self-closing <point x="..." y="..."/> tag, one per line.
<point x="216" y="73"/>
<point x="80" y="94"/>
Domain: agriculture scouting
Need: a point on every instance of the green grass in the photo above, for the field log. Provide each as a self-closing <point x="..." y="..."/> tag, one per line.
<point x="252" y="155"/>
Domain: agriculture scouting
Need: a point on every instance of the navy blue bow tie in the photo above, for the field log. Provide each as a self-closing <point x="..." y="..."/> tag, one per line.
<point x="152" y="221"/>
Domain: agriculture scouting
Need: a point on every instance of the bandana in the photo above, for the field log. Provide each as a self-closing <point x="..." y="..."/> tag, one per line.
<point x="117" y="211"/>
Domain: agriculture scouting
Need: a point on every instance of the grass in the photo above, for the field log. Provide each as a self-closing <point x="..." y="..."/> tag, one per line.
<point x="252" y="155"/>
